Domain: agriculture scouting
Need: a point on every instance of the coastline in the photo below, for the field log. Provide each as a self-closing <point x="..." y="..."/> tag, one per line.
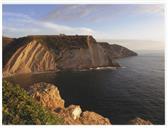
<point x="8" y="75"/>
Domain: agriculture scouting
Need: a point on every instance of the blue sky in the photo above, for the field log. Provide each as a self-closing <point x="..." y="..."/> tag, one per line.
<point x="117" y="21"/>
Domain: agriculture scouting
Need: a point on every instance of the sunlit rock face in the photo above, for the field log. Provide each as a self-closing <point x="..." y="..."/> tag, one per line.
<point x="47" y="94"/>
<point x="89" y="118"/>
<point x="73" y="115"/>
<point x="70" y="114"/>
<point x="61" y="52"/>
<point x="31" y="57"/>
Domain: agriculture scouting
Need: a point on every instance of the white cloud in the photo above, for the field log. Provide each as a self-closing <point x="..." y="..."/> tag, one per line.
<point x="151" y="9"/>
<point x="30" y="26"/>
<point x="70" y="12"/>
<point x="99" y="12"/>
<point x="16" y="15"/>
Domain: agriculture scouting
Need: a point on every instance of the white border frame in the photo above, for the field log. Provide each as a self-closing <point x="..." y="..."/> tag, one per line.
<point x="89" y="2"/>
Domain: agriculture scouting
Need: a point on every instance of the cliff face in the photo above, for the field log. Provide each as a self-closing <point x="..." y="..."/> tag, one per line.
<point x="54" y="53"/>
<point x="31" y="57"/>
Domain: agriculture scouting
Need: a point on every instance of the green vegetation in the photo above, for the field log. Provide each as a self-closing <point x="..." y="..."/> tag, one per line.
<point x="20" y="108"/>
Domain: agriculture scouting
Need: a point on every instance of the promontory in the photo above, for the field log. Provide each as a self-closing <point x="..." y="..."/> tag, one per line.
<point x="43" y="53"/>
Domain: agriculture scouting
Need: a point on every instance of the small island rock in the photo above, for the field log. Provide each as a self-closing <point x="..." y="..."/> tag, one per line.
<point x="139" y="121"/>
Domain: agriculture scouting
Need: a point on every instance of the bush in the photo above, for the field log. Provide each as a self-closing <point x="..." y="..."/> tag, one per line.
<point x="20" y="108"/>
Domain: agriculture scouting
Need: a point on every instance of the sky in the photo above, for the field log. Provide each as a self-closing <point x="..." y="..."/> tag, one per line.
<point x="104" y="22"/>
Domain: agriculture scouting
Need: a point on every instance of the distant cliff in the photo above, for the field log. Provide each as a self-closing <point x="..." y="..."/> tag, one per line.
<point x="58" y="52"/>
<point x="117" y="51"/>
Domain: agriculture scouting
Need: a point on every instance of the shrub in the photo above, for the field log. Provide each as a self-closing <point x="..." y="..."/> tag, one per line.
<point x="20" y="108"/>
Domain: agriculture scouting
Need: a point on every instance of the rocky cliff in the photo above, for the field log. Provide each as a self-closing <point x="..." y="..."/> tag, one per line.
<point x="60" y="52"/>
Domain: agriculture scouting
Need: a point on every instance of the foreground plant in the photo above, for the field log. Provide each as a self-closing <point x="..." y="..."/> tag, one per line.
<point x="20" y="108"/>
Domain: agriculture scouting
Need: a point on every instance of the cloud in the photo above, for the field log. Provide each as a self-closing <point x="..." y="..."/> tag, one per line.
<point x="157" y="9"/>
<point x="99" y="12"/>
<point x="16" y="15"/>
<point x="23" y="25"/>
<point x="83" y="13"/>
<point x="70" y="12"/>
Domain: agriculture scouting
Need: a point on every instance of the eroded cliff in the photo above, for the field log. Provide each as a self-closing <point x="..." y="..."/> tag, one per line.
<point x="61" y="52"/>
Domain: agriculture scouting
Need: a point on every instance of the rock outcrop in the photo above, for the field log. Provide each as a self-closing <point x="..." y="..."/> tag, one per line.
<point x="90" y="118"/>
<point x="74" y="115"/>
<point x="54" y="53"/>
<point x="140" y="121"/>
<point x="48" y="95"/>
<point x="71" y="114"/>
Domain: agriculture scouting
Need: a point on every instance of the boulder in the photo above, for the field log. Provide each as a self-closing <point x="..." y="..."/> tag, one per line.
<point x="70" y="114"/>
<point x="90" y="118"/>
<point x="73" y="115"/>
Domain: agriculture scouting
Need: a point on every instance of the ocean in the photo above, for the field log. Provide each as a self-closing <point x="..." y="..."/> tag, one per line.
<point x="137" y="89"/>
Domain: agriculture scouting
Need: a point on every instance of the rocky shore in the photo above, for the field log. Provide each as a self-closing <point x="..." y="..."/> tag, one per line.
<point x="49" y="96"/>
